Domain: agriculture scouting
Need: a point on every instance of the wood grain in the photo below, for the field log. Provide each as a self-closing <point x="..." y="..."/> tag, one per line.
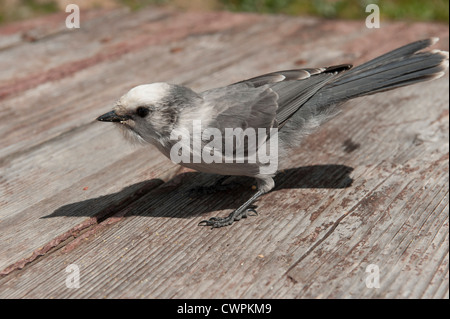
<point x="369" y="188"/>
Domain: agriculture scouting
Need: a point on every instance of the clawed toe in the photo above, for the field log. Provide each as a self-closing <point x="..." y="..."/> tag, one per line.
<point x="252" y="209"/>
<point x="216" y="222"/>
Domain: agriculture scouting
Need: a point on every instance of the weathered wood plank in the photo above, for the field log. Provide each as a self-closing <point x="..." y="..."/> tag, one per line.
<point x="370" y="187"/>
<point x="59" y="124"/>
<point x="182" y="259"/>
<point x="19" y="33"/>
<point x="71" y="112"/>
<point x="50" y="104"/>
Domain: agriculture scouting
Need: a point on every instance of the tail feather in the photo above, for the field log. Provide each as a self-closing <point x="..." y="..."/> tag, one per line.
<point x="401" y="67"/>
<point x="400" y="53"/>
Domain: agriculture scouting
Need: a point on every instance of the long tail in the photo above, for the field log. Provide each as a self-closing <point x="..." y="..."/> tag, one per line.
<point x="400" y="67"/>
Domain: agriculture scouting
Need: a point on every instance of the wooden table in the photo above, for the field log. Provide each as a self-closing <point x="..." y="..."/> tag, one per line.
<point x="366" y="193"/>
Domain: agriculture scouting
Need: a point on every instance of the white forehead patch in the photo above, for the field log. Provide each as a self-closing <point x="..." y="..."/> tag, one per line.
<point x="145" y="94"/>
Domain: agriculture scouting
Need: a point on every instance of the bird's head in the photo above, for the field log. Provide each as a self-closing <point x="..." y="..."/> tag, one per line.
<point x="148" y="113"/>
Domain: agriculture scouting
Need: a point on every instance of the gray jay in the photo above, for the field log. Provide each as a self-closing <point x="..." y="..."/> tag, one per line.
<point x="294" y="102"/>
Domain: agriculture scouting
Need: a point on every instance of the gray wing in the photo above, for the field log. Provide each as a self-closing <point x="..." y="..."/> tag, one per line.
<point x="242" y="106"/>
<point x="268" y="100"/>
<point x="294" y="87"/>
<point x="262" y="102"/>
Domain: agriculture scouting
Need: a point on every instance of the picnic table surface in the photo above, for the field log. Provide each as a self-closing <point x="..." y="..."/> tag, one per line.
<point x="366" y="195"/>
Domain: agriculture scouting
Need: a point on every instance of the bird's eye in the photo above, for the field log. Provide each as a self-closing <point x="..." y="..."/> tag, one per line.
<point x="142" y="111"/>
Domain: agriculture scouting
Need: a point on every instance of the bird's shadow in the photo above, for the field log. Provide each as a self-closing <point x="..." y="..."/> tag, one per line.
<point x="174" y="198"/>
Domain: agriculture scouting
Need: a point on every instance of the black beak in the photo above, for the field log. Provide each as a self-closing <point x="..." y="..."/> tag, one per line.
<point x="112" y="117"/>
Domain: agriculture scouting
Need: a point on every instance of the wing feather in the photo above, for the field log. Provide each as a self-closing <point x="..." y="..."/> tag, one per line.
<point x="294" y="87"/>
<point x="268" y="100"/>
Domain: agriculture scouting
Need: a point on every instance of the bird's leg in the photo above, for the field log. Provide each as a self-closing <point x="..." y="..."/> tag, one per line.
<point x="216" y="187"/>
<point x="241" y="212"/>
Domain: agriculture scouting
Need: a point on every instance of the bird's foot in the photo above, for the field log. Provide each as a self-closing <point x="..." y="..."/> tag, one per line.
<point x="216" y="222"/>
